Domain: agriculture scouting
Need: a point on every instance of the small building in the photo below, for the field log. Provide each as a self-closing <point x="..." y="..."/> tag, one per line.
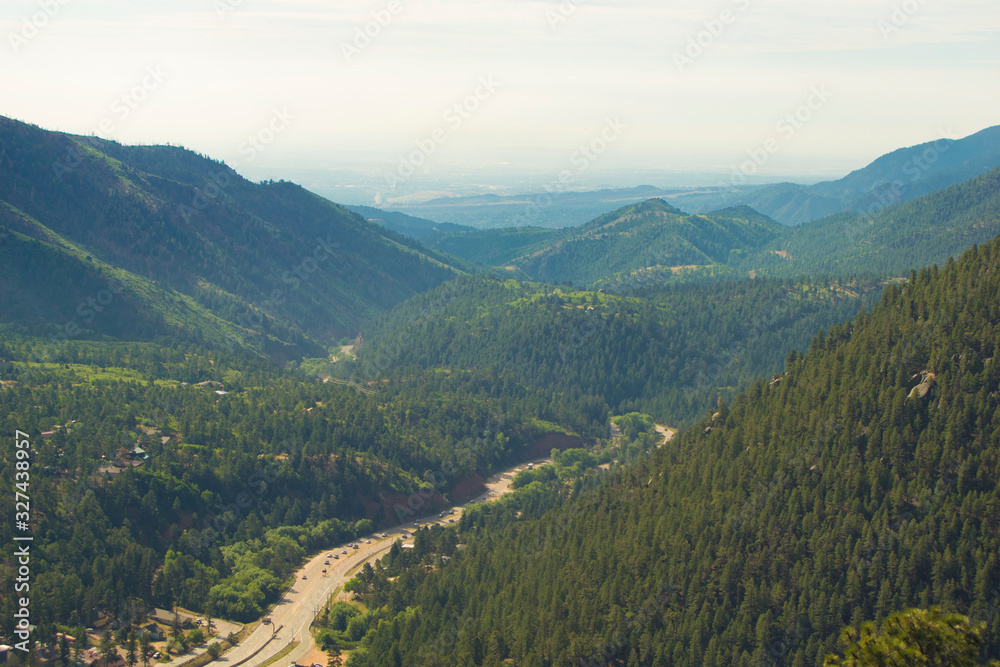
<point x="156" y="633"/>
<point x="101" y="620"/>
<point x="5" y="653"/>
<point x="166" y="617"/>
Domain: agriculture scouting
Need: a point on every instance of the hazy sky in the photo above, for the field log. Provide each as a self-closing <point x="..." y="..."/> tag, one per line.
<point x="688" y="85"/>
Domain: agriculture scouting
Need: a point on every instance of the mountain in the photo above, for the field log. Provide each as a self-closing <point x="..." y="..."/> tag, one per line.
<point x="636" y="237"/>
<point x="262" y="265"/>
<point x="921" y="232"/>
<point x="552" y="208"/>
<point x="899" y="176"/>
<point x="420" y="229"/>
<point x="668" y="351"/>
<point x="861" y="481"/>
<point x="653" y="242"/>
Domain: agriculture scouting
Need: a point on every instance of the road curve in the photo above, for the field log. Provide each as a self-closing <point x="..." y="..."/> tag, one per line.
<point x="302" y="602"/>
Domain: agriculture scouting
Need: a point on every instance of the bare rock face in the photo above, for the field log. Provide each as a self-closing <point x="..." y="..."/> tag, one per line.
<point x="927" y="380"/>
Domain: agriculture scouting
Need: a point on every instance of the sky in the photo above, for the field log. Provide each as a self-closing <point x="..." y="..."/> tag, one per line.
<point x="415" y="87"/>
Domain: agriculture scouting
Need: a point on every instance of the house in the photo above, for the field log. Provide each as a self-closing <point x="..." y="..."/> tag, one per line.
<point x="156" y="633"/>
<point x="102" y="618"/>
<point x="166" y="617"/>
<point x="110" y="471"/>
<point x="5" y="653"/>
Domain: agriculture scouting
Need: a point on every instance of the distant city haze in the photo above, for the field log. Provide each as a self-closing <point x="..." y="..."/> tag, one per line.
<point x="380" y="100"/>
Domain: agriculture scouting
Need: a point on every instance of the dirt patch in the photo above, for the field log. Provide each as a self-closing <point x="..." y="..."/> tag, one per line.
<point x="385" y="514"/>
<point x="544" y="445"/>
<point x="318" y="657"/>
<point x="470" y="487"/>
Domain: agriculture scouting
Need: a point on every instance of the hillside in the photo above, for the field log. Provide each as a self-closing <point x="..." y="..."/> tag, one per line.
<point x="552" y="208"/>
<point x="244" y="466"/>
<point x="256" y="262"/>
<point x="896" y="177"/>
<point x="922" y="232"/>
<point x="412" y="227"/>
<point x="648" y="235"/>
<point x="866" y="479"/>
<point x="671" y="352"/>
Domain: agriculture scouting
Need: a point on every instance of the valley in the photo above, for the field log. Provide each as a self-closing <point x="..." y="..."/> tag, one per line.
<point x="222" y="379"/>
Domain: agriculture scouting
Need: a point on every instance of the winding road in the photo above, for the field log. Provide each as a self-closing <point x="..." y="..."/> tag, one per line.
<point x="295" y="611"/>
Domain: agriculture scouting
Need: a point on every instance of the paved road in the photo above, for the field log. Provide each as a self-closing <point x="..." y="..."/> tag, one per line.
<point x="296" y="611"/>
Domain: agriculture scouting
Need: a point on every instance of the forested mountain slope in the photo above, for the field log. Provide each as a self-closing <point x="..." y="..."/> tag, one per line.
<point x="922" y="232"/>
<point x="896" y="177"/>
<point x="243" y="468"/>
<point x="866" y="479"/>
<point x="654" y="243"/>
<point x="264" y="257"/>
<point x="420" y="229"/>
<point x="667" y="351"/>
<point x="648" y="234"/>
<point x="887" y="242"/>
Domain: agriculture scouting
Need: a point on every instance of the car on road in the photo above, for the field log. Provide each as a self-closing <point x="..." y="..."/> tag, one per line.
<point x="326" y="562"/>
<point x="324" y="570"/>
<point x="451" y="521"/>
<point x="384" y="535"/>
<point x="368" y="541"/>
<point x="303" y="576"/>
<point x="337" y="556"/>
<point x="328" y="555"/>
<point x="344" y="552"/>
